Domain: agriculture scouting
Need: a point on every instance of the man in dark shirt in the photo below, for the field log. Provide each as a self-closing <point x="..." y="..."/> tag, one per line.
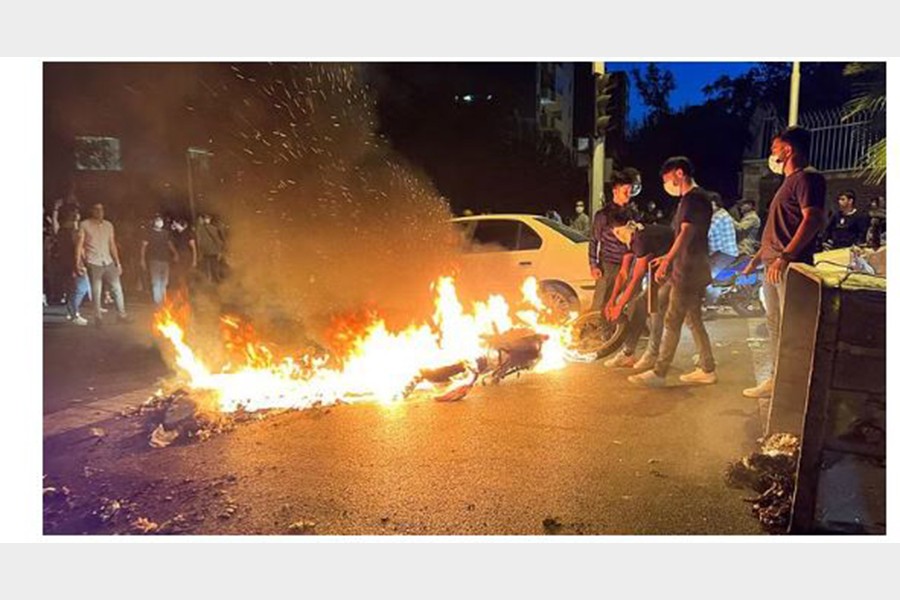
<point x="644" y="243"/>
<point x="685" y="271"/>
<point x="155" y="254"/>
<point x="605" y="252"/>
<point x="848" y="226"/>
<point x="796" y="216"/>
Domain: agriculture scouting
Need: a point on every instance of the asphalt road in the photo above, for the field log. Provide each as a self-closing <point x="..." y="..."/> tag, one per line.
<point x="579" y="451"/>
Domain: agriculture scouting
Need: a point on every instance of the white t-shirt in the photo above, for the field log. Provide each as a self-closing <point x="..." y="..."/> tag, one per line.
<point x="97" y="241"/>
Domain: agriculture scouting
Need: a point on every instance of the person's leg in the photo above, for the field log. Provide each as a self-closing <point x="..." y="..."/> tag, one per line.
<point x="165" y="279"/>
<point x="773" y="297"/>
<point x="115" y="288"/>
<point x="672" y="323"/>
<point x="157" y="289"/>
<point x="598" y="302"/>
<point x="82" y="289"/>
<point x="636" y="323"/>
<point x="95" y="273"/>
<point x="694" y="319"/>
<point x="657" y="321"/>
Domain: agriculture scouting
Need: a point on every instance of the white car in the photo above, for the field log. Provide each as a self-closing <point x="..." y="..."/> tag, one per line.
<point x="500" y="251"/>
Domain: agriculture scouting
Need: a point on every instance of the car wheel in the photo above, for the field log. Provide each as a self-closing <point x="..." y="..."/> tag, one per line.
<point x="561" y="300"/>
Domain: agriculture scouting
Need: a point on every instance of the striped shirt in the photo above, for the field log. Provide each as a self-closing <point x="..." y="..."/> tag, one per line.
<point x="721" y="234"/>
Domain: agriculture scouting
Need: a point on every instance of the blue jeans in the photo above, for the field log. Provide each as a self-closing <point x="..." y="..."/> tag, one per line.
<point x="78" y="290"/>
<point x="110" y="274"/>
<point x="636" y="325"/>
<point x="159" y="279"/>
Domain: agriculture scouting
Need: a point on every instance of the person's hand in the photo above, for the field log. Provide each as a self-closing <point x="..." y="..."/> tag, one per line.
<point x="615" y="311"/>
<point x="194" y="264"/>
<point x="57" y="204"/>
<point x="775" y="272"/>
<point x="119" y="267"/>
<point x="143" y="266"/>
<point x="750" y="267"/>
<point x="80" y="269"/>
<point x="661" y="265"/>
<point x="596" y="273"/>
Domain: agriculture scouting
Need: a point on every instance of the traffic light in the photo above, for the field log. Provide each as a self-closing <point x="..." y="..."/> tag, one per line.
<point x="604" y="84"/>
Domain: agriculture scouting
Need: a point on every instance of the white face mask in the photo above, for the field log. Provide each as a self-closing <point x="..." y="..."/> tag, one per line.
<point x="579" y="209"/>
<point x="672" y="188"/>
<point x="776" y="165"/>
<point x="158" y="224"/>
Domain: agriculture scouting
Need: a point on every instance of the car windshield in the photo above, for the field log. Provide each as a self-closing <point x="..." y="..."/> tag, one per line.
<point x="560" y="228"/>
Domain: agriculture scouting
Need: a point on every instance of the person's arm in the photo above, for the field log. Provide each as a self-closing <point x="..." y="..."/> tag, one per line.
<point x="144" y="245"/>
<point x="79" y="252"/>
<point x="55" y="216"/>
<point x="640" y="268"/>
<point x="114" y="249"/>
<point x="174" y="251"/>
<point x="594" y="248"/>
<point x="813" y="217"/>
<point x="685" y="234"/>
<point x="621" y="276"/>
<point x="192" y="243"/>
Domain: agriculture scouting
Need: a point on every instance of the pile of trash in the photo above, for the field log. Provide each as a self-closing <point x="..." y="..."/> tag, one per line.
<point x="772" y="474"/>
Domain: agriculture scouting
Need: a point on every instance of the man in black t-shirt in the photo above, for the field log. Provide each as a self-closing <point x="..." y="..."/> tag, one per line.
<point x="796" y="216"/>
<point x="156" y="250"/>
<point x="644" y="243"/>
<point x="848" y="226"/>
<point x="685" y="271"/>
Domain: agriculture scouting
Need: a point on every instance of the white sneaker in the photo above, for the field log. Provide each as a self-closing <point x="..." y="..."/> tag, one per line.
<point x="698" y="375"/>
<point x="620" y="360"/>
<point x="648" y="379"/>
<point x="647" y="361"/>
<point x="763" y="390"/>
<point x="79" y="320"/>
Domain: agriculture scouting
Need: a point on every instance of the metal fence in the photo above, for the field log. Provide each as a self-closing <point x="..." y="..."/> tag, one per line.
<point x="838" y="144"/>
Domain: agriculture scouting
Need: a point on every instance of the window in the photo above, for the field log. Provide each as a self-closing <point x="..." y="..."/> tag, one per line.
<point x="97" y="154"/>
<point x="495" y="235"/>
<point x="566" y="231"/>
<point x="528" y="238"/>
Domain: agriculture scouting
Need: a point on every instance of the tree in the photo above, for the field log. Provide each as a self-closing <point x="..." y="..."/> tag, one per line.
<point x="871" y="96"/>
<point x="654" y="86"/>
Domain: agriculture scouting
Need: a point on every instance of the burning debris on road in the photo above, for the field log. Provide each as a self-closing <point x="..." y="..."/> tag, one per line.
<point x="772" y="473"/>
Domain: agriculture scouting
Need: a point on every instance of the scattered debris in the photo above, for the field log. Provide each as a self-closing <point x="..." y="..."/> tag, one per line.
<point x="106" y="512"/>
<point x="98" y="432"/>
<point x="771" y="473"/>
<point x="552" y="526"/>
<point x="144" y="525"/>
<point x="302" y="528"/>
<point x="91" y="471"/>
<point x="175" y="525"/>
<point x="160" y="438"/>
<point x="652" y="461"/>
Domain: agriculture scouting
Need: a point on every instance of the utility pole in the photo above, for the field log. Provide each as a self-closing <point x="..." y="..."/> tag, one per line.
<point x="794" y="107"/>
<point x="597" y="160"/>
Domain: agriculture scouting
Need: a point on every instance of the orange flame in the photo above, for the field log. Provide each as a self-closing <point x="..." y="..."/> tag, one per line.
<point x="371" y="363"/>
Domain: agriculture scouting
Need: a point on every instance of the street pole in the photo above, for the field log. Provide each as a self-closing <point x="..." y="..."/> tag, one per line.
<point x="191" y="187"/>
<point x="597" y="162"/>
<point x="794" y="108"/>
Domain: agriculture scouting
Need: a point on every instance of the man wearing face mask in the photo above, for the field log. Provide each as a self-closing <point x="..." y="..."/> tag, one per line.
<point x="684" y="273"/>
<point x="156" y="250"/>
<point x="582" y="222"/>
<point x="796" y="216"/>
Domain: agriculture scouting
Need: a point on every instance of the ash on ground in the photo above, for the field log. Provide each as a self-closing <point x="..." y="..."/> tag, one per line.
<point x="771" y="473"/>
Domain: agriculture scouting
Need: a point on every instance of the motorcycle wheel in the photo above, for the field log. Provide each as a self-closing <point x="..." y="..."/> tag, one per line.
<point x="592" y="333"/>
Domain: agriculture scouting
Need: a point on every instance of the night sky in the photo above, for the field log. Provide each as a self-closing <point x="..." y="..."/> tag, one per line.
<point x="690" y="78"/>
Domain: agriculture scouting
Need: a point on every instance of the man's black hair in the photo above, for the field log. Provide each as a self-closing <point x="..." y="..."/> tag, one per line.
<point x="798" y="138"/>
<point x="677" y="162"/>
<point x="620" y="178"/>
<point x="850" y="194"/>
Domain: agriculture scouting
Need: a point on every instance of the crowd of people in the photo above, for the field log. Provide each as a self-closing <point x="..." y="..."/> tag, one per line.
<point x="83" y="259"/>
<point x="703" y="238"/>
